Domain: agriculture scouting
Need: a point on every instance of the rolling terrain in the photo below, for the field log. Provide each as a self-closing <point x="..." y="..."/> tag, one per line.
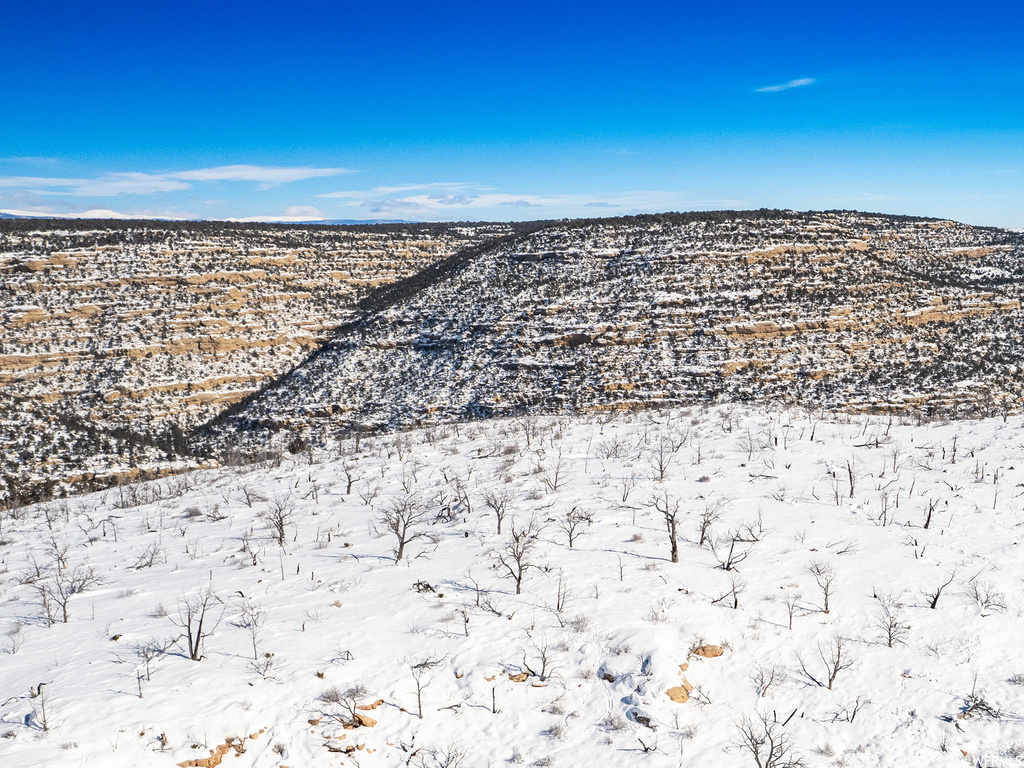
<point x="837" y="310"/>
<point x="504" y="593"/>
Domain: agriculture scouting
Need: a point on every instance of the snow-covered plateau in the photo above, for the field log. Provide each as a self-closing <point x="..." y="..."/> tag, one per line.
<point x="848" y="592"/>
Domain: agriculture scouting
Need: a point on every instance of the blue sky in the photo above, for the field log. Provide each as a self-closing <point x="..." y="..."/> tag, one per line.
<point x="512" y="110"/>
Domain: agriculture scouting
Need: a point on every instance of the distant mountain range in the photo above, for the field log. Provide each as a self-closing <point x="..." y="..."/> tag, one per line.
<point x="336" y="222"/>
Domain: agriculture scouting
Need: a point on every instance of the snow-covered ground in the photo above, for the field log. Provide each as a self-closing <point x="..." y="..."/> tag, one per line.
<point x="575" y="670"/>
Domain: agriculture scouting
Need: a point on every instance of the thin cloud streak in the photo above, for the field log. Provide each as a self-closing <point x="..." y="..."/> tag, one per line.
<point x="449" y="186"/>
<point x="115" y="184"/>
<point x="800" y="83"/>
<point x="269" y="175"/>
<point x="96" y="213"/>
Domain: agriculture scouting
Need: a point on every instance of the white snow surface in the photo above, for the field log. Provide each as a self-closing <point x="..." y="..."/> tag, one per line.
<point x="336" y="611"/>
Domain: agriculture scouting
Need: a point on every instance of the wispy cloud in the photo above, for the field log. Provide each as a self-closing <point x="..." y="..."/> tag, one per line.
<point x="447" y="186"/>
<point x="800" y="83"/>
<point x="265" y="174"/>
<point x="30" y="159"/>
<point x="115" y="184"/>
<point x="95" y="213"/>
<point x="109" y="185"/>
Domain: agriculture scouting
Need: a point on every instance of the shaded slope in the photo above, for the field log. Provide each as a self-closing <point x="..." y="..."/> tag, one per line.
<point x="117" y="337"/>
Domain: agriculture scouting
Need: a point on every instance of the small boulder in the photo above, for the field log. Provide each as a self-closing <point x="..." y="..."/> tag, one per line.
<point x="365" y="720"/>
<point x="708" y="651"/>
<point x="678" y="694"/>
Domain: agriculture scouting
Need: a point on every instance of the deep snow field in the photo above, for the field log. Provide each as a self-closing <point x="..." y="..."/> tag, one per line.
<point x="579" y="664"/>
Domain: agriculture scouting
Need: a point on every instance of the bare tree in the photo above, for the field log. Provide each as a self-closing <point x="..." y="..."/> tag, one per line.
<point x="764" y="678"/>
<point x="836" y="485"/>
<point x="544" y="662"/>
<point x="708" y="518"/>
<point x="150" y="556"/>
<point x="421" y="677"/>
<point x="278" y="517"/>
<point x="985" y="594"/>
<point x="515" y="556"/>
<point x="252" y="618"/>
<point x="562" y="596"/>
<point x="627" y="483"/>
<point x="499" y="503"/>
<point x="669" y="510"/>
<point x="935" y="594"/>
<point x="834" y="656"/>
<point x="736" y="587"/>
<point x="403" y="518"/>
<point x="38" y="693"/>
<point x="452" y="755"/>
<point x="574" y="523"/>
<point x="851" y="473"/>
<point x="368" y="491"/>
<point x="733" y="556"/>
<point x="748" y="444"/>
<point x="198" y="617"/>
<point x="151" y="650"/>
<point x="251" y="495"/>
<point x="59" y="585"/>
<point x="659" y="458"/>
<point x="768" y="743"/>
<point x="931" y="511"/>
<point x="349" y="468"/>
<point x="553" y="475"/>
<point x="347" y="701"/>
<point x="461" y="489"/>
<point x="792" y="602"/>
<point x="889" y="620"/>
<point x="824" y="574"/>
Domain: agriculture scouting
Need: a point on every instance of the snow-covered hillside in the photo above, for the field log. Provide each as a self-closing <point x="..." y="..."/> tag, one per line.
<point x="908" y="534"/>
<point x="841" y="310"/>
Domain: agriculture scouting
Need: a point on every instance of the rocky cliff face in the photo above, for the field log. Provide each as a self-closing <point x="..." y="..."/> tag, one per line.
<point x="115" y="339"/>
<point x="844" y="310"/>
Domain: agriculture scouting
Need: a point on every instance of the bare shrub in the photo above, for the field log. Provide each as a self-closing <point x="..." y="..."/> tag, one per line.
<point x="346" y="701"/>
<point x="541" y="661"/>
<point x="835" y="657"/>
<point x="767" y="742"/>
<point x="59" y="585"/>
<point x="150" y="556"/>
<point x="889" y="621"/>
<point x="985" y="595"/>
<point x="764" y="677"/>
